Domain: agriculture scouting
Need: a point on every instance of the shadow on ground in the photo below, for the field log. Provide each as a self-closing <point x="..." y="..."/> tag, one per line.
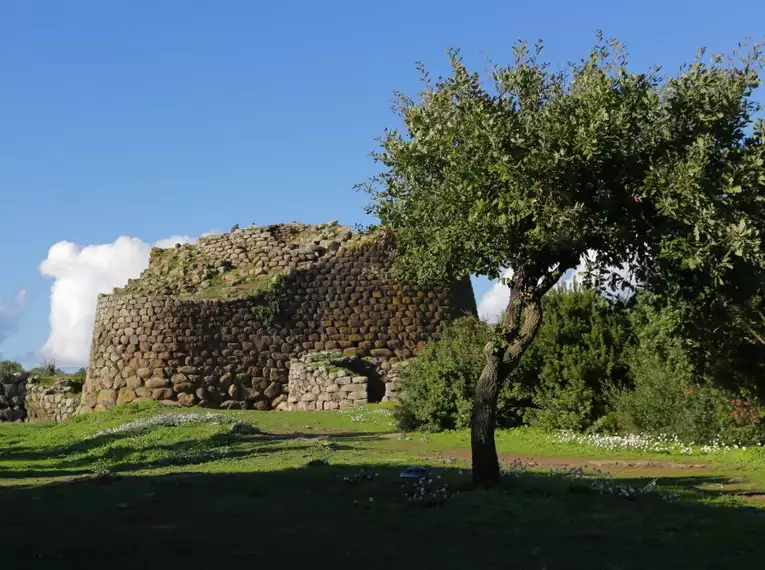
<point x="20" y="452"/>
<point x="79" y="458"/>
<point x="355" y="516"/>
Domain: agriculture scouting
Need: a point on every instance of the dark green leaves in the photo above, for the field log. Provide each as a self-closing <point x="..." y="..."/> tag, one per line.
<point x="530" y="167"/>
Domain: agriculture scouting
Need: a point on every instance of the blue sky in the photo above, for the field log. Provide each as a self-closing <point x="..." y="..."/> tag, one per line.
<point x="174" y="117"/>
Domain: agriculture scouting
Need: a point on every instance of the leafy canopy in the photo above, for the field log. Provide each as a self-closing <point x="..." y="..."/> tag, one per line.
<point x="533" y="167"/>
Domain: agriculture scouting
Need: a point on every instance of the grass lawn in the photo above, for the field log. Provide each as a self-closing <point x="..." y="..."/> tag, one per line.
<point x="138" y="487"/>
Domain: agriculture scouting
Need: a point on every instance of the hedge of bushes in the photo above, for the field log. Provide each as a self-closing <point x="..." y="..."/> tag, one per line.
<point x="596" y="365"/>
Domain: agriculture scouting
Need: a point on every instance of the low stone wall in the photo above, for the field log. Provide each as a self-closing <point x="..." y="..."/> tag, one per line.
<point x="50" y="403"/>
<point x="393" y="380"/>
<point x="318" y="383"/>
<point x="13" y="388"/>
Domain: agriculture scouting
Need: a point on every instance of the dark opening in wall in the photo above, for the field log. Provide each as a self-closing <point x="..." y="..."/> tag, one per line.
<point x="375" y="384"/>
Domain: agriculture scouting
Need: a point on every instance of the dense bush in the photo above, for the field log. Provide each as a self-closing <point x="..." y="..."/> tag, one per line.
<point x="440" y="381"/>
<point x="9" y="368"/>
<point x="566" y="375"/>
<point x="46" y="373"/>
<point x="596" y="364"/>
<point x="560" y="383"/>
<point x="668" y="391"/>
<point x="45" y="370"/>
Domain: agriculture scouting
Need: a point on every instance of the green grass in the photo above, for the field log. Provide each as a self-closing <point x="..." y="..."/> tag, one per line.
<point x="74" y="380"/>
<point x="221" y="286"/>
<point x="322" y="490"/>
<point x="325" y="357"/>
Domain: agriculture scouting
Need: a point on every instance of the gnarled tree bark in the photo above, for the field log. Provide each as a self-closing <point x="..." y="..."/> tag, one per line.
<point x="518" y="327"/>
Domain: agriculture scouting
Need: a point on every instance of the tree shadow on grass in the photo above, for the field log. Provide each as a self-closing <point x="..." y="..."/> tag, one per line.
<point x="87" y="445"/>
<point x="354" y="516"/>
<point x="190" y="451"/>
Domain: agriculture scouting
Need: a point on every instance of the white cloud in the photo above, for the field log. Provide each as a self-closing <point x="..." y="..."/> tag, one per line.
<point x="172" y="240"/>
<point x="494" y="301"/>
<point x="80" y="274"/>
<point x="9" y="314"/>
<point x="20" y="298"/>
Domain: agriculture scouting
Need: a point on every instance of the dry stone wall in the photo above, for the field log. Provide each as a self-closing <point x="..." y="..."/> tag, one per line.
<point x="227" y="265"/>
<point x="13" y="389"/>
<point x="333" y="295"/>
<point x="325" y="384"/>
<point x="52" y="403"/>
<point x="393" y="381"/>
<point x="25" y="398"/>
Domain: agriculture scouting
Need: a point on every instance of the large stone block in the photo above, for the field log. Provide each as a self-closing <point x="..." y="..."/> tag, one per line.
<point x="134" y="382"/>
<point x="162" y="394"/>
<point x="125" y="395"/>
<point x="107" y="398"/>
<point x="154" y="383"/>
<point x="144" y="372"/>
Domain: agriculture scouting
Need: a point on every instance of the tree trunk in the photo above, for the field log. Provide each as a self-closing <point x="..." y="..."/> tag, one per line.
<point x="484" y="450"/>
<point x="519" y="326"/>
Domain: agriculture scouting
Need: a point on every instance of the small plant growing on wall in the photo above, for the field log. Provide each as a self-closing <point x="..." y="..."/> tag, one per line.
<point x="270" y="301"/>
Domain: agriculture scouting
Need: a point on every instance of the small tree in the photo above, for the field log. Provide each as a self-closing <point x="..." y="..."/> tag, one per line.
<point x="9" y="367"/>
<point x="539" y="167"/>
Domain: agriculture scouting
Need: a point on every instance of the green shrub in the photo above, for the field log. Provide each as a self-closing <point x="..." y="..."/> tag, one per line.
<point x="561" y="382"/>
<point x="9" y="368"/>
<point x="565" y="377"/>
<point x="664" y="402"/>
<point x="438" y="384"/>
<point x="596" y="365"/>
<point x="45" y="370"/>
<point x="77" y="379"/>
<point x="667" y="394"/>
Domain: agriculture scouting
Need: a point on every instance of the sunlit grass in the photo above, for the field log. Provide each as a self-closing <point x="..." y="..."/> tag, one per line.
<point x="330" y="474"/>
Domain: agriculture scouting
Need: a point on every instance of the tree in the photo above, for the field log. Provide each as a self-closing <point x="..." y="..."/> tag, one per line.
<point x="9" y="368"/>
<point x="537" y="167"/>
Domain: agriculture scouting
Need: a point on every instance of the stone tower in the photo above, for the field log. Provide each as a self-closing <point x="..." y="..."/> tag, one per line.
<point x="219" y="323"/>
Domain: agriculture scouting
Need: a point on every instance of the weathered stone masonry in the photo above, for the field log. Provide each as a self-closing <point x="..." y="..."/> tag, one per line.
<point x="221" y="352"/>
<point x="13" y="389"/>
<point x="50" y="403"/>
<point x="25" y="398"/>
<point x="325" y="385"/>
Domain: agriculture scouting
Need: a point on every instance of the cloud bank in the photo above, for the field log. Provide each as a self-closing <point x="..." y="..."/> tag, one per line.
<point x="80" y="274"/>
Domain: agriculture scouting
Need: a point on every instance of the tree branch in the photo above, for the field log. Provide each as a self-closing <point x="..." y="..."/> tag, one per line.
<point x="758" y="337"/>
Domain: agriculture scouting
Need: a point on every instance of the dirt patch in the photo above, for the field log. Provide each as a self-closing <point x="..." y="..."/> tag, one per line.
<point x="567" y="462"/>
<point x="756" y="497"/>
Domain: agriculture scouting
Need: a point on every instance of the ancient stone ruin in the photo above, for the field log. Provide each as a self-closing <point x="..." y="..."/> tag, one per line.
<point x="244" y="319"/>
<point x="13" y="390"/>
<point x="52" y="402"/>
<point x="29" y="398"/>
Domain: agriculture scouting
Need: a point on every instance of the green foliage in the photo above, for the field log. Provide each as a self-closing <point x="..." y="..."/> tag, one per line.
<point x="595" y="365"/>
<point x="668" y="395"/>
<point x="531" y="167"/>
<point x="439" y="383"/>
<point x="76" y="379"/>
<point x="46" y="369"/>
<point x="233" y="285"/>
<point x="48" y="374"/>
<point x="576" y="359"/>
<point x="563" y="382"/>
<point x="9" y="368"/>
<point x="270" y="300"/>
